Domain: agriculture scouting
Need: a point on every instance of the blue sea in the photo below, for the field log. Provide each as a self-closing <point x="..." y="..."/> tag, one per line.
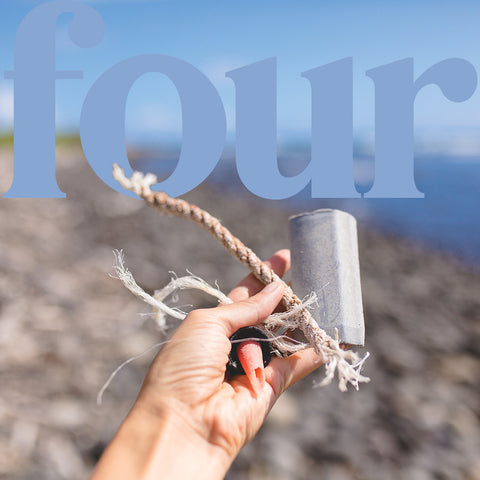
<point x="447" y="219"/>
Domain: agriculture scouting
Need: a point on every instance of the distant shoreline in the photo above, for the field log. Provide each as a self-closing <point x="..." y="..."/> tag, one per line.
<point x="446" y="220"/>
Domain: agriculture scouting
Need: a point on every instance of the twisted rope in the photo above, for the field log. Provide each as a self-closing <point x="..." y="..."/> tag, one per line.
<point x="328" y="349"/>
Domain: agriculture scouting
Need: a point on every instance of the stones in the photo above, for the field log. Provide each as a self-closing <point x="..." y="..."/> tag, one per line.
<point x="65" y="325"/>
<point x="285" y="412"/>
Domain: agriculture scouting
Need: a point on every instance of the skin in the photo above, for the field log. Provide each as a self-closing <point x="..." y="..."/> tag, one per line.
<point x="188" y="422"/>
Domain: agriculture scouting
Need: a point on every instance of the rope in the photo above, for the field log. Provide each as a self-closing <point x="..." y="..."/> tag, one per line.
<point x="347" y="363"/>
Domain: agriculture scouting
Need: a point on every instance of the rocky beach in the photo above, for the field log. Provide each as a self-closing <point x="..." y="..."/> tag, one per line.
<point x="66" y="324"/>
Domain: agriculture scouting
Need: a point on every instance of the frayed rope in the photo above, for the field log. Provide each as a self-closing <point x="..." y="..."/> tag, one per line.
<point x="346" y="363"/>
<point x="161" y="310"/>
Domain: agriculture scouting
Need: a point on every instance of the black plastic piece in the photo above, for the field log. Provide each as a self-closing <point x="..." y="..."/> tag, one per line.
<point x="234" y="367"/>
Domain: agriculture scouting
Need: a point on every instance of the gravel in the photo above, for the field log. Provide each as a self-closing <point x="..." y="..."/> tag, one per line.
<point x="65" y="324"/>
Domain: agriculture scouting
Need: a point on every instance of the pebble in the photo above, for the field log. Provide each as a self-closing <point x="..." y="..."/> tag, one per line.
<point x="65" y="324"/>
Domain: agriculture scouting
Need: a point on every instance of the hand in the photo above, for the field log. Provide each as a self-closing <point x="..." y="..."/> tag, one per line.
<point x="186" y="387"/>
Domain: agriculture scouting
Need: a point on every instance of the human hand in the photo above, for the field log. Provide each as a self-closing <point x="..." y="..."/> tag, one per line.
<point x="186" y="386"/>
<point x="188" y="375"/>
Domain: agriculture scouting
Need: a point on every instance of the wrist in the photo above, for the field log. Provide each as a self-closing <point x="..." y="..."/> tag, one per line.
<point x="158" y="443"/>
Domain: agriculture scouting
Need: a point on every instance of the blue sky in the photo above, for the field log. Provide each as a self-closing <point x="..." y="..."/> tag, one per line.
<point x="217" y="36"/>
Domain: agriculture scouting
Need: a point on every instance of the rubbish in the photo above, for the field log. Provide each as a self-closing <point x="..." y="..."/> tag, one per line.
<point x="324" y="250"/>
<point x="251" y="352"/>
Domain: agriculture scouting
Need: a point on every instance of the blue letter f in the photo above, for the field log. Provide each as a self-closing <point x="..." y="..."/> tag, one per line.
<point x="34" y="93"/>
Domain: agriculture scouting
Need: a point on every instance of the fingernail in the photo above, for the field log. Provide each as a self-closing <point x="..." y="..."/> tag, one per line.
<point x="271" y="287"/>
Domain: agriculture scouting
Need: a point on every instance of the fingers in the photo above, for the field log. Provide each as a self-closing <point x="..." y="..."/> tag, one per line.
<point x="250" y="311"/>
<point x="282" y="373"/>
<point x="279" y="263"/>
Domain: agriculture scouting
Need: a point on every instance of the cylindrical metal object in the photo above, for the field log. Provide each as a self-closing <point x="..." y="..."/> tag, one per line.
<point x="324" y="250"/>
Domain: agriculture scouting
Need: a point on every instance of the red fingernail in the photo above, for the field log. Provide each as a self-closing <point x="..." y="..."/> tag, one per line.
<point x="250" y="356"/>
<point x="251" y="352"/>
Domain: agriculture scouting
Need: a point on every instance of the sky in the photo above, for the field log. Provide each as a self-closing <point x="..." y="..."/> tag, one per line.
<point x="216" y="36"/>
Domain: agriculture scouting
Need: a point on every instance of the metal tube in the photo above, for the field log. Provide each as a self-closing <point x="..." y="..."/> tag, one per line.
<point x="324" y="249"/>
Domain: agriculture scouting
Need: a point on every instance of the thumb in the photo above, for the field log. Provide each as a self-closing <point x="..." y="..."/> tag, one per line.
<point x="251" y="311"/>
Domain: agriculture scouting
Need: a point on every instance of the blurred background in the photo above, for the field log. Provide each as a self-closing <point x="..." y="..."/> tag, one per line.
<point x="65" y="324"/>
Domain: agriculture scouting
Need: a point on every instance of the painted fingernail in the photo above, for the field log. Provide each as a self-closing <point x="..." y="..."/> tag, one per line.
<point x="235" y="365"/>
<point x="250" y="357"/>
<point x="271" y="287"/>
